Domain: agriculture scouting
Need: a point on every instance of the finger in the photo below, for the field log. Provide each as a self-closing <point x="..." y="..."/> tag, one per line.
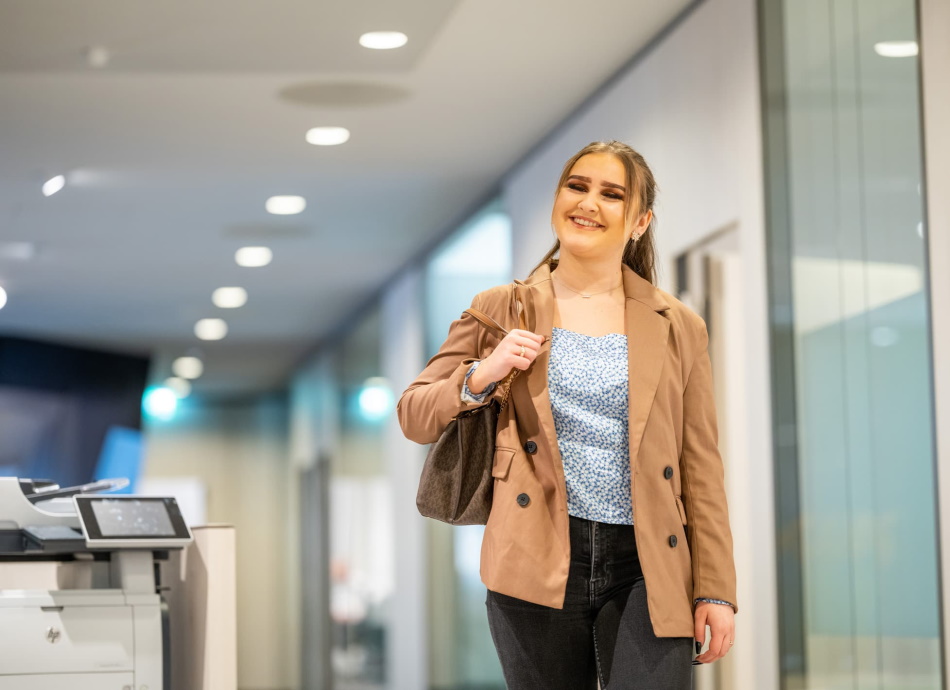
<point x="715" y="652"/>
<point x="525" y="350"/>
<point x="699" y="625"/>
<point x="536" y="337"/>
<point x="528" y="340"/>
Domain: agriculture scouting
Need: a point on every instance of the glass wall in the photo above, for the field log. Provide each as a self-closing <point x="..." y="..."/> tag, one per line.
<point x="343" y="410"/>
<point x="859" y="602"/>
<point x="474" y="259"/>
<point x="362" y="537"/>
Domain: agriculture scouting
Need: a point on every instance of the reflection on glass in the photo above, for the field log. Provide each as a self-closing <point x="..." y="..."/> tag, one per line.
<point x="866" y="615"/>
<point x="362" y="557"/>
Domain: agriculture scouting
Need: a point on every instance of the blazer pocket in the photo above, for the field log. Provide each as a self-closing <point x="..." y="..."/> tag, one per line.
<point x="680" y="507"/>
<point x="502" y="462"/>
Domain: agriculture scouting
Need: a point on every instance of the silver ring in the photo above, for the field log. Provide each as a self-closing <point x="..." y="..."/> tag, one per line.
<point x="522" y="350"/>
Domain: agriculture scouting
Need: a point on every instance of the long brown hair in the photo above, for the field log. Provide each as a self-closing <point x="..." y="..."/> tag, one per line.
<point x="639" y="255"/>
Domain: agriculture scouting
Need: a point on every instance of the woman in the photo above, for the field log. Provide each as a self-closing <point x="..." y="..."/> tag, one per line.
<point x="608" y="549"/>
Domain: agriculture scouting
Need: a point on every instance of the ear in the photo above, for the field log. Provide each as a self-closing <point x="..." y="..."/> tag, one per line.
<point x="644" y="222"/>
<point x="640" y="225"/>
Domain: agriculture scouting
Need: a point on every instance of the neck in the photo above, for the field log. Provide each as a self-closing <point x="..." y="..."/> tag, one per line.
<point x="589" y="275"/>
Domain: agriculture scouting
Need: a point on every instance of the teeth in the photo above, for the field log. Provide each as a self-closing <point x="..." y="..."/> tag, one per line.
<point x="588" y="223"/>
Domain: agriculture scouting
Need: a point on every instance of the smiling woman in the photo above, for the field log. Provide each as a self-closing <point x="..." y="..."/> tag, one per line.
<point x="622" y="178"/>
<point x="573" y="544"/>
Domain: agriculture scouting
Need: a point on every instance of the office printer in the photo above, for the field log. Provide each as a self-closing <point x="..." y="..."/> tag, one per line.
<point x="79" y="600"/>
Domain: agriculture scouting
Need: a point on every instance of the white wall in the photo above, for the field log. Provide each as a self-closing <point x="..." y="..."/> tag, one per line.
<point x="935" y="69"/>
<point x="240" y="453"/>
<point x="691" y="107"/>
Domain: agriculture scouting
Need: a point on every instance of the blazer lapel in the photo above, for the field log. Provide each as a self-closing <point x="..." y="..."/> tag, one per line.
<point x="530" y="390"/>
<point x="647" y="336"/>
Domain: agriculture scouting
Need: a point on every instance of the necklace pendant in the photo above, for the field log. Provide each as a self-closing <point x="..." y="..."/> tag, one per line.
<point x="584" y="296"/>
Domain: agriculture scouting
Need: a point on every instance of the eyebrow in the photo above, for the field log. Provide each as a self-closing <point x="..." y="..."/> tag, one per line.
<point x="604" y="184"/>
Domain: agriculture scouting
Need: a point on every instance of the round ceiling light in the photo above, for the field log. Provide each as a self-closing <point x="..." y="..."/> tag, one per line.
<point x="328" y="136"/>
<point x="896" y="49"/>
<point x="285" y="205"/>
<point x="211" y="329"/>
<point x="383" y="40"/>
<point x="253" y="257"/>
<point x="98" y="56"/>
<point x="229" y="297"/>
<point x="179" y="386"/>
<point x="188" y="367"/>
<point x="53" y="185"/>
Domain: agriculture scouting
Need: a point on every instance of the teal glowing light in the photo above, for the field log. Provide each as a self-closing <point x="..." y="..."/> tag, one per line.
<point x="160" y="402"/>
<point x="376" y="399"/>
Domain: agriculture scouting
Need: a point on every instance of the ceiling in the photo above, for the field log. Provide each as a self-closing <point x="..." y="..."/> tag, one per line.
<point x="171" y="149"/>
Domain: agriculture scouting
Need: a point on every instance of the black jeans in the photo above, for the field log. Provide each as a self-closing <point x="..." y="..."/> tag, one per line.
<point x="602" y="633"/>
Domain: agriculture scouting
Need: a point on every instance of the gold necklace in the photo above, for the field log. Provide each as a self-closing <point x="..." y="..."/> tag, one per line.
<point x="586" y="295"/>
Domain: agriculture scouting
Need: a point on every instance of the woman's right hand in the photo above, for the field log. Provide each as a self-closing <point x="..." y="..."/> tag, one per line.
<point x="507" y="356"/>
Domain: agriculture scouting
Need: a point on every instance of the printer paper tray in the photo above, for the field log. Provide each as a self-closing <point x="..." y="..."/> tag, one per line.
<point x="72" y="681"/>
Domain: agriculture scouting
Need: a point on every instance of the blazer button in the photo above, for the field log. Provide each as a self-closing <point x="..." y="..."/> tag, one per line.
<point x="668" y="472"/>
<point x="531" y="447"/>
<point x="673" y="540"/>
<point x="523" y="500"/>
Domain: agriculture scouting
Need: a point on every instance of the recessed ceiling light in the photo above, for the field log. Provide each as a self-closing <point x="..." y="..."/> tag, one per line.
<point x="98" y="56"/>
<point x="285" y="205"/>
<point x="179" y="386"/>
<point x="383" y="40"/>
<point x="53" y="185"/>
<point x="253" y="257"/>
<point x="3" y="298"/>
<point x="896" y="49"/>
<point x="328" y="136"/>
<point x="229" y="297"/>
<point x="211" y="329"/>
<point x="188" y="367"/>
<point x="18" y="251"/>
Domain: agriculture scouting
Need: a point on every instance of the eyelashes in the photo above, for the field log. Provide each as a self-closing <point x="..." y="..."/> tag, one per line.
<point x="613" y="196"/>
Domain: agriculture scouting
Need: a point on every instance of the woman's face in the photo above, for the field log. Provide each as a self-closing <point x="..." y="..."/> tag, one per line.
<point x="588" y="215"/>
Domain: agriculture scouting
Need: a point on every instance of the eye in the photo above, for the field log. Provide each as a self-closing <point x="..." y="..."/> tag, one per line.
<point x="576" y="186"/>
<point x="614" y="195"/>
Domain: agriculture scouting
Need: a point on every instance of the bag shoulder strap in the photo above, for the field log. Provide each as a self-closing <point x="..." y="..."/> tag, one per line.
<point x="486" y="320"/>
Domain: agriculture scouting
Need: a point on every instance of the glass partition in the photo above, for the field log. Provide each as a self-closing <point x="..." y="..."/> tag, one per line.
<point x="362" y="537"/>
<point x="852" y="373"/>
<point x="474" y="259"/>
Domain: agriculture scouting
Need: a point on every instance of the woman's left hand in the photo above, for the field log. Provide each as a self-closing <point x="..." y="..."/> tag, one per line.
<point x="722" y="625"/>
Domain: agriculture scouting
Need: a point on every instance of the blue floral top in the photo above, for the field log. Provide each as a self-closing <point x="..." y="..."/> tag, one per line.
<point x="588" y="386"/>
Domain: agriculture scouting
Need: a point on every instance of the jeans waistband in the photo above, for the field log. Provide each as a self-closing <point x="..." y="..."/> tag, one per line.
<point x="600" y="541"/>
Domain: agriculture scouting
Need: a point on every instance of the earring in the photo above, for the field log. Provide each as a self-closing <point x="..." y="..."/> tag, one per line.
<point x="634" y="237"/>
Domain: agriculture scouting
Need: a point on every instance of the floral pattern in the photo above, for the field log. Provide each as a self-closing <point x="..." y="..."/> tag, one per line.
<point x="589" y="389"/>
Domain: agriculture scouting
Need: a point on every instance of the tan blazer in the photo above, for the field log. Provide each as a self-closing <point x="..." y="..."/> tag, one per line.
<point x="679" y="504"/>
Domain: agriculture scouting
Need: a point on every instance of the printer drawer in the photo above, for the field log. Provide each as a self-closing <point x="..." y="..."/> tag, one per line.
<point x="78" y="681"/>
<point x="68" y="639"/>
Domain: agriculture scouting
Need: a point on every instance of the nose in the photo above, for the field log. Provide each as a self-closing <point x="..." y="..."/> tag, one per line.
<point x="587" y="204"/>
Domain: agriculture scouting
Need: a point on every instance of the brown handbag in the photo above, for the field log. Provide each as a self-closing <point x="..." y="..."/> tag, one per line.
<point x="456" y="483"/>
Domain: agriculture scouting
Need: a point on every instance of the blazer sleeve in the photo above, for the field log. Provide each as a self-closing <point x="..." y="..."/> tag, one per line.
<point x="435" y="398"/>
<point x="704" y="494"/>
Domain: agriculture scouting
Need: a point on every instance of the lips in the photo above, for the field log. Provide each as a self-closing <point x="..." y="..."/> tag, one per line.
<point x="582" y="222"/>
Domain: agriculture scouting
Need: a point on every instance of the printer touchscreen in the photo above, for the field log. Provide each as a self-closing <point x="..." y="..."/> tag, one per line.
<point x="131" y="521"/>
